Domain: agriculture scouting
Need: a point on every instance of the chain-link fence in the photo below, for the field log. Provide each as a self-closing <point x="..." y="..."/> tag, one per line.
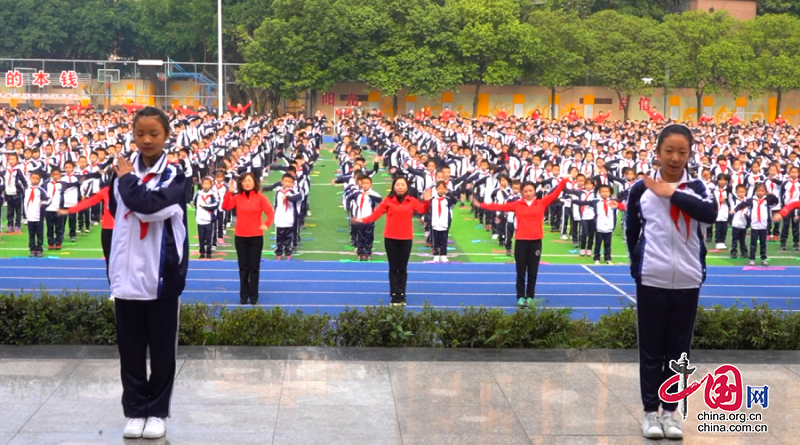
<point x="107" y="84"/>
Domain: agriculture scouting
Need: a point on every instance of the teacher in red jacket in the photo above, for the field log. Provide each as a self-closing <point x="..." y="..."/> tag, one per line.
<point x="398" y="234"/>
<point x="250" y="204"/>
<point x="528" y="244"/>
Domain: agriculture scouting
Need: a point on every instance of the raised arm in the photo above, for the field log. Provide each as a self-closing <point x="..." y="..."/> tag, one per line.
<point x="552" y="196"/>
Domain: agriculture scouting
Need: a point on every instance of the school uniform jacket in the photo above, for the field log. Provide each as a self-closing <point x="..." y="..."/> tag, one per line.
<point x="206" y="204"/>
<point x="758" y="209"/>
<point x="35" y="200"/>
<point x="665" y="236"/>
<point x="286" y="211"/>
<point x="149" y="244"/>
<point x="603" y="214"/>
<point x="442" y="211"/>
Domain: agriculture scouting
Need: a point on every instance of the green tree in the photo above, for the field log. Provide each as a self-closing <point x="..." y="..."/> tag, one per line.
<point x="775" y="40"/>
<point x="561" y="55"/>
<point x="65" y="29"/>
<point x="304" y="46"/>
<point x="707" y="55"/>
<point x="624" y="49"/>
<point x="492" y="45"/>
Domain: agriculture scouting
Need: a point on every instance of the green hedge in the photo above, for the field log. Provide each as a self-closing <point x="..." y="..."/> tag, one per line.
<point x="78" y="318"/>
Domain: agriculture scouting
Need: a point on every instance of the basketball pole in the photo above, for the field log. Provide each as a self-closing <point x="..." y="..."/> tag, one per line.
<point x="220" y="79"/>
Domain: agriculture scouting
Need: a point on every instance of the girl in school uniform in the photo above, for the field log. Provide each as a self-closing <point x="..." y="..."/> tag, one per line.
<point x="758" y="207"/>
<point x="666" y="217"/>
<point x="398" y="233"/>
<point x="529" y="213"/>
<point x="147" y="264"/>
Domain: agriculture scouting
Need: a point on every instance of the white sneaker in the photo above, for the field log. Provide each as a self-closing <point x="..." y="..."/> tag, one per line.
<point x="156" y="427"/>
<point x="583" y="252"/>
<point x="609" y="262"/>
<point x="651" y="426"/>
<point x="670" y="426"/>
<point x="720" y="245"/>
<point x="436" y="259"/>
<point x="597" y="263"/>
<point x="133" y="429"/>
<point x="496" y="236"/>
<point x="443" y="259"/>
<point x="751" y="263"/>
<point x="764" y="263"/>
<point x="563" y="237"/>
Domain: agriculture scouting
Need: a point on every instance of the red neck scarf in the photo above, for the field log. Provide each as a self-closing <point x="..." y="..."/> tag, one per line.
<point x="675" y="213"/>
<point x="143" y="226"/>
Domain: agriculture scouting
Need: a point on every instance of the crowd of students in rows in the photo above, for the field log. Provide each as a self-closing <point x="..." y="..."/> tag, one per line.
<point x="751" y="170"/>
<point x="55" y="166"/>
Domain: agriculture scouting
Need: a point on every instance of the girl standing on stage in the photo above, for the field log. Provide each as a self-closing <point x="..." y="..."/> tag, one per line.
<point x="398" y="233"/>
<point x="529" y="213"/>
<point x="250" y="204"/>
<point x="666" y="217"/>
<point x="147" y="263"/>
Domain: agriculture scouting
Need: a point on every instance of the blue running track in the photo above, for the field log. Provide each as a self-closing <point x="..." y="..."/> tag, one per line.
<point x="331" y="286"/>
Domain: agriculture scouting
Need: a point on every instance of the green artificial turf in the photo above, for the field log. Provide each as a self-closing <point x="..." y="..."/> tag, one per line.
<point x="327" y="237"/>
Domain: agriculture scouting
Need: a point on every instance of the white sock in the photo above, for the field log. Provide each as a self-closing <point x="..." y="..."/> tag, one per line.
<point x="667" y="412"/>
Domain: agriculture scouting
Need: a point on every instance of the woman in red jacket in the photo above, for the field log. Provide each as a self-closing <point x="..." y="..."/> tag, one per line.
<point x="249" y="204"/>
<point x="398" y="233"/>
<point x="529" y="233"/>
<point x="107" y="222"/>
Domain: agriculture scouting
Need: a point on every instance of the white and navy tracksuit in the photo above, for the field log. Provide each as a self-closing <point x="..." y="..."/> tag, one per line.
<point x="286" y="220"/>
<point x="441" y="219"/>
<point x="55" y="222"/>
<point x="147" y="268"/>
<point x="206" y="204"/>
<point x="668" y="261"/>
<point x="16" y="183"/>
<point x="759" y="211"/>
<point x="790" y="192"/>
<point x="361" y="205"/>
<point x="34" y="201"/>
<point x="603" y="223"/>
<point x="220" y="188"/>
<point x="739" y="223"/>
<point x="722" y="197"/>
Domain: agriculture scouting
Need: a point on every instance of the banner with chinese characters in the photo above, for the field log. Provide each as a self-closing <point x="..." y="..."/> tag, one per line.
<point x="18" y="79"/>
<point x="34" y="96"/>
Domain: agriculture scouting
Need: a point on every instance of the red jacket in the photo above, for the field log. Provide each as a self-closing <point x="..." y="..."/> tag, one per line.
<point x="789" y="207"/>
<point x="398" y="216"/>
<point x="602" y="117"/>
<point x="529" y="217"/>
<point x="249" y="207"/>
<point x="97" y="198"/>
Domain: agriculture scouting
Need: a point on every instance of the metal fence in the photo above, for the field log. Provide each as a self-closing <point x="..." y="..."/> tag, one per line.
<point x="114" y="83"/>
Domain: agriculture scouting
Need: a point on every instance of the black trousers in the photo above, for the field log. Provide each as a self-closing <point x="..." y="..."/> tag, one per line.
<point x="720" y="231"/>
<point x="205" y="234"/>
<point x="605" y="239"/>
<point x="105" y="242"/>
<point x="84" y="219"/>
<point x="220" y="224"/>
<point x="248" y="252"/>
<point x="773" y="228"/>
<point x="398" y="252"/>
<point x="527" y="254"/>
<point x="738" y="241"/>
<point x="71" y="221"/>
<point x="588" y="230"/>
<point x="96" y="213"/>
<point x="509" y="236"/>
<point x="55" y="228"/>
<point x="35" y="235"/>
<point x="188" y="187"/>
<point x="14" y="213"/>
<point x="143" y="325"/>
<point x="758" y="236"/>
<point x="364" y="238"/>
<point x="665" y="324"/>
<point x="789" y="221"/>
<point x="440" y="242"/>
<point x="556" y="213"/>
<point x="284" y="240"/>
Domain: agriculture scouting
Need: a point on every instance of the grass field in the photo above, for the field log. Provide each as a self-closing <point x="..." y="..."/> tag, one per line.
<point x="327" y="235"/>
